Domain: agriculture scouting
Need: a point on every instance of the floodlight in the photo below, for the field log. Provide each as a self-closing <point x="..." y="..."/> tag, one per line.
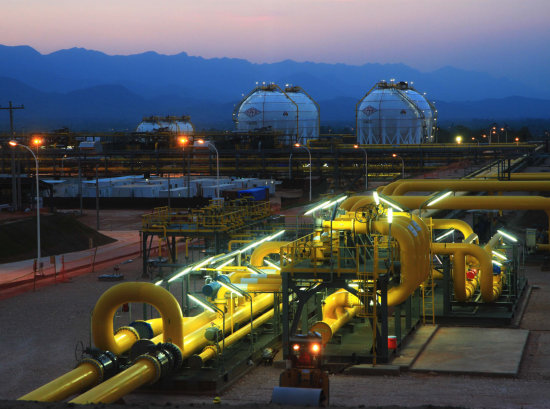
<point x="376" y="198"/>
<point x="203" y="304"/>
<point x="447" y="233"/>
<point x="497" y="263"/>
<point x="181" y="274"/>
<point x="390" y="203"/>
<point x="507" y="235"/>
<point x="318" y="207"/>
<point x="231" y="288"/>
<point x="500" y="256"/>
<point x="390" y="215"/>
<point x="438" y="197"/>
<point x="269" y="263"/>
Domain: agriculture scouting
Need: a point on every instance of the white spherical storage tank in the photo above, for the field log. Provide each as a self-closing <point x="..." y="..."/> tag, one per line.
<point x="291" y="113"/>
<point x="175" y="124"/>
<point x="395" y="113"/>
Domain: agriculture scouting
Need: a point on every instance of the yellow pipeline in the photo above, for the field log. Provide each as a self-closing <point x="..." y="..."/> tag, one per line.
<point x="161" y="299"/>
<point x="84" y="376"/>
<point x="459" y="251"/>
<point x="340" y="307"/>
<point x="470" y="202"/>
<point x="457" y="224"/>
<point x="413" y="250"/>
<point x="263" y="250"/>
<point x="210" y="351"/>
<point x="145" y="370"/>
<point x="402" y="186"/>
<point x="88" y="373"/>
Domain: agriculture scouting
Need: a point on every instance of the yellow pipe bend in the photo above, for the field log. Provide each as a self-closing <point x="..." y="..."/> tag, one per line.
<point x="340" y="307"/>
<point x="263" y="250"/>
<point x="457" y="224"/>
<point x="459" y="252"/>
<point x="161" y="299"/>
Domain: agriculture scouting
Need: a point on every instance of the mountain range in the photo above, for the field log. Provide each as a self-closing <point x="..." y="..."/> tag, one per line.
<point x="90" y="90"/>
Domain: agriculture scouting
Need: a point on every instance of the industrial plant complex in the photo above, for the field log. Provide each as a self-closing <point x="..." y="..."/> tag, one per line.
<point x="273" y="261"/>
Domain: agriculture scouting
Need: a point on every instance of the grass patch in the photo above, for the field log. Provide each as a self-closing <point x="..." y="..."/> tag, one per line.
<point x="59" y="234"/>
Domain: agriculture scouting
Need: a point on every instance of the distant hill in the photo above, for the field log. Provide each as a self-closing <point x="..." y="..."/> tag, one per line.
<point x="90" y="90"/>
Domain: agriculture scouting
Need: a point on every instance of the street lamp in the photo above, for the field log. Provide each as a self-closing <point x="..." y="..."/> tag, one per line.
<point x="211" y="145"/>
<point x="475" y="140"/>
<point x="517" y="141"/>
<point x="38" y="260"/>
<point x="458" y="139"/>
<point x="309" y="153"/>
<point x="183" y="141"/>
<point x="366" y="166"/>
<point x="395" y="155"/>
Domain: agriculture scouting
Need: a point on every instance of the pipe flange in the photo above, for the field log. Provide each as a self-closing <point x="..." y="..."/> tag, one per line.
<point x="97" y="365"/>
<point x="131" y="329"/>
<point x="156" y="363"/>
<point x="176" y="356"/>
<point x="143" y="328"/>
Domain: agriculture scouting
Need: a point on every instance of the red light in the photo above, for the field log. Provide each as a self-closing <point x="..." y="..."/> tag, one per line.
<point x="297" y="145"/>
<point x="315" y="348"/>
<point x="296" y="347"/>
<point x="394" y="155"/>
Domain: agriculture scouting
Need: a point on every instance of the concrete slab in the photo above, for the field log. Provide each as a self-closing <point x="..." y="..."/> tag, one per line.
<point x="414" y="346"/>
<point x="482" y="351"/>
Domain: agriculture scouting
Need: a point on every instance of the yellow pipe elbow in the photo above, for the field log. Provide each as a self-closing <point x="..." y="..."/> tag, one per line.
<point x="457" y="224"/>
<point x="265" y="249"/>
<point x="161" y="299"/>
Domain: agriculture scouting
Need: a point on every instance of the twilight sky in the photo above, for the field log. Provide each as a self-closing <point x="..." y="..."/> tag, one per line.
<point x="503" y="37"/>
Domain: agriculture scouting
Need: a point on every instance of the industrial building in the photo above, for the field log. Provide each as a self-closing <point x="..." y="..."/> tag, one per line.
<point x="181" y="125"/>
<point x="290" y="113"/>
<point x="395" y="113"/>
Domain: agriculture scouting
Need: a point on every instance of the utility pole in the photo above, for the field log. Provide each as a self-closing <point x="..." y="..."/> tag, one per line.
<point x="14" y="202"/>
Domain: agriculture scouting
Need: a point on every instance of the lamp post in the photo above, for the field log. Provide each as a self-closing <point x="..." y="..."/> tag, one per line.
<point x="211" y="145"/>
<point x="38" y="255"/>
<point x="309" y="153"/>
<point x="366" y="166"/>
<point x="183" y="141"/>
<point x="395" y="155"/>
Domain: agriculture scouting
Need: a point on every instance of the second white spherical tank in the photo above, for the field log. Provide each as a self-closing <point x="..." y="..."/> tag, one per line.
<point x="394" y="113"/>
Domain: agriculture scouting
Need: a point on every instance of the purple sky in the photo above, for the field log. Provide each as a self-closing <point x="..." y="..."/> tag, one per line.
<point x="502" y="37"/>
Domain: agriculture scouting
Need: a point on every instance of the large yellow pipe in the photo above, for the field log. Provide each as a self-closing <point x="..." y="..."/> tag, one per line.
<point x="88" y="372"/>
<point x="161" y="299"/>
<point x="84" y="376"/>
<point x="143" y="371"/>
<point x="413" y="250"/>
<point x="263" y="250"/>
<point x="459" y="251"/>
<point x="340" y="307"/>
<point x="471" y="202"/>
<point x="210" y="352"/>
<point x="460" y="225"/>
<point x="402" y="186"/>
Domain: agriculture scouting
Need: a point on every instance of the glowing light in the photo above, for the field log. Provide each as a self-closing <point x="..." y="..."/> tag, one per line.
<point x="436" y="199"/>
<point x="447" y="233"/>
<point x="399" y="209"/>
<point x="390" y="215"/>
<point x="269" y="263"/>
<point x="500" y="256"/>
<point x="376" y="198"/>
<point x="507" y="235"/>
<point x="201" y="303"/>
<point x="315" y="348"/>
<point x="296" y="347"/>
